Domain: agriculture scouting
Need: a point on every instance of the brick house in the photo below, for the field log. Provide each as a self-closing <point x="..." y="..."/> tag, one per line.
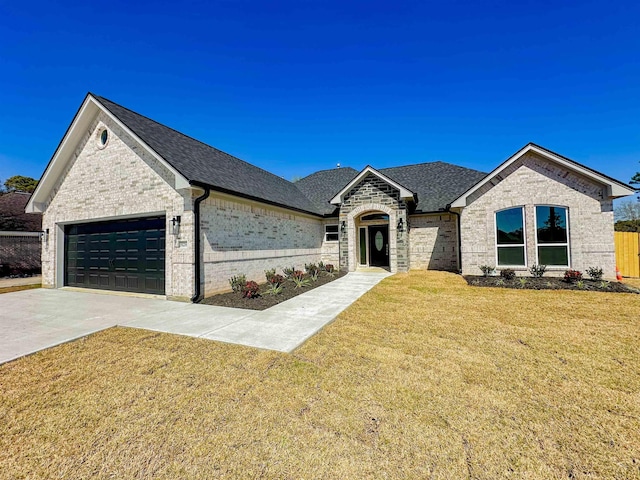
<point x="129" y="204"/>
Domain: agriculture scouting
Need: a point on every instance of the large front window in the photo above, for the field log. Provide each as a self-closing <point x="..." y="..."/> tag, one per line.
<point x="552" y="236"/>
<point x="510" y="237"/>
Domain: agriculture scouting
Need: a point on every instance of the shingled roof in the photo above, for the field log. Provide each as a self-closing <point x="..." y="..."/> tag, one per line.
<point x="437" y="184"/>
<point x="199" y="162"/>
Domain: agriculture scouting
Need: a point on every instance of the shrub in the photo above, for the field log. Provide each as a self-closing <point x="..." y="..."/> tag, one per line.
<point x="276" y="280"/>
<point x="269" y="274"/>
<point x="250" y="290"/>
<point x="537" y="271"/>
<point x="287" y="272"/>
<point x="321" y="266"/>
<point x="508" y="273"/>
<point x="314" y="275"/>
<point x="237" y="283"/>
<point x="572" y="275"/>
<point x="604" y="284"/>
<point x="580" y="284"/>
<point x="523" y="282"/>
<point x="311" y="269"/>
<point x="486" y="270"/>
<point x="297" y="275"/>
<point x="595" y="273"/>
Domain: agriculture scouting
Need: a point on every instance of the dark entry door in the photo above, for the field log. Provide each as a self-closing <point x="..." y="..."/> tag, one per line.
<point x="379" y="245"/>
<point x="124" y="255"/>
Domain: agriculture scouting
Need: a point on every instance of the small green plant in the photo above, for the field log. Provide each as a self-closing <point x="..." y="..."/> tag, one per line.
<point x="297" y="274"/>
<point x="604" y="284"/>
<point x="572" y="275"/>
<point x="314" y="276"/>
<point x="580" y="284"/>
<point x="321" y="266"/>
<point x="237" y="282"/>
<point x="311" y="269"/>
<point x="537" y="271"/>
<point x="500" y="282"/>
<point x="487" y="270"/>
<point x="251" y="290"/>
<point x="508" y="273"/>
<point x="595" y="273"/>
<point x="274" y="289"/>
<point x="300" y="282"/>
<point x="523" y="282"/>
<point x="549" y="284"/>
<point x="287" y="272"/>
<point x="269" y="274"/>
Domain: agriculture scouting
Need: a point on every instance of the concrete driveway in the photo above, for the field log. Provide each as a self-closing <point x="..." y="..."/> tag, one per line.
<point x="32" y="320"/>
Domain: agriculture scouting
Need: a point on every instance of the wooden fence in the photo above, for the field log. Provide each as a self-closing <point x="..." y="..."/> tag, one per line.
<point x="628" y="253"/>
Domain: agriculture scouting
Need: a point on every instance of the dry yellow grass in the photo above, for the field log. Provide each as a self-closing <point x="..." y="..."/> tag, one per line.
<point x="17" y="288"/>
<point x="632" y="282"/>
<point x="424" y="377"/>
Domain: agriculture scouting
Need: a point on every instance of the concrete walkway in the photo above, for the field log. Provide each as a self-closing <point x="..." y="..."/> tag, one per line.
<point x="32" y="320"/>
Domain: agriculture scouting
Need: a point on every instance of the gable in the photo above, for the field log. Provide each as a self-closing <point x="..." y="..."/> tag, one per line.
<point x="372" y="176"/>
<point x="562" y="166"/>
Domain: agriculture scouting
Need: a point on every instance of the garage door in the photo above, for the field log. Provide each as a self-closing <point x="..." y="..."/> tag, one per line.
<point x="123" y="255"/>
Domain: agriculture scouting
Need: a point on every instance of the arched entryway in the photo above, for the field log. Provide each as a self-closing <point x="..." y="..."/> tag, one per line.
<point x="372" y="237"/>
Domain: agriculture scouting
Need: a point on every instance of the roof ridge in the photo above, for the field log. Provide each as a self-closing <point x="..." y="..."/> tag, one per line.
<point x="193" y="138"/>
<point x="326" y="170"/>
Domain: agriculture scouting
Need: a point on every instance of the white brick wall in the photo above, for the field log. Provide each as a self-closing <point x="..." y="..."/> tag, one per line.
<point x="120" y="180"/>
<point x="433" y="242"/>
<point x="532" y="181"/>
<point x="244" y="237"/>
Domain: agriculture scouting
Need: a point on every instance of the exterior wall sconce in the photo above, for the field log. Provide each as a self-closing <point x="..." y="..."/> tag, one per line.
<point x="400" y="225"/>
<point x="44" y="235"/>
<point x="175" y="225"/>
<point x="343" y="227"/>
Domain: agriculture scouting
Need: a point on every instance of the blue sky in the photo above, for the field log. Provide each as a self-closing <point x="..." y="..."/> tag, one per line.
<point x="295" y="87"/>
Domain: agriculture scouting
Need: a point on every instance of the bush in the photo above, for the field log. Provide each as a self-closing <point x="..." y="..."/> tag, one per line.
<point x="269" y="274"/>
<point x="486" y="270"/>
<point x="572" y="275"/>
<point x="276" y="280"/>
<point x="250" y="290"/>
<point x="288" y="272"/>
<point x="297" y="275"/>
<point x="537" y="271"/>
<point x="311" y="269"/>
<point x="508" y="273"/>
<point x="595" y="273"/>
<point x="321" y="266"/>
<point x="238" y="282"/>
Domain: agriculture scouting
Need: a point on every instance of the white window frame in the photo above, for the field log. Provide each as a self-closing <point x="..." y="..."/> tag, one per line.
<point x="524" y="236"/>
<point x="566" y="244"/>
<point x="337" y="232"/>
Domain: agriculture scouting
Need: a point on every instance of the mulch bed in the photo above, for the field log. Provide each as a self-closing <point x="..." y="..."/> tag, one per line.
<point x="548" y="283"/>
<point x="264" y="301"/>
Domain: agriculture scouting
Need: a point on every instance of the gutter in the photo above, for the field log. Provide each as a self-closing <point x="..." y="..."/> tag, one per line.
<point x="198" y="295"/>
<point x="448" y="210"/>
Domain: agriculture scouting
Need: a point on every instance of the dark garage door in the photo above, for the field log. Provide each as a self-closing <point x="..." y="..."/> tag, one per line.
<point x="124" y="255"/>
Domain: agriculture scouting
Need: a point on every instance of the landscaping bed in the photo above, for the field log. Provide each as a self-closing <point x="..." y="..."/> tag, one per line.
<point x="265" y="300"/>
<point x="548" y="283"/>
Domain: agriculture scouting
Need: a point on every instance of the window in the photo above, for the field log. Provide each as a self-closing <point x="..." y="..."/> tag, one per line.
<point x="552" y="236"/>
<point x="510" y="238"/>
<point x="331" y="233"/>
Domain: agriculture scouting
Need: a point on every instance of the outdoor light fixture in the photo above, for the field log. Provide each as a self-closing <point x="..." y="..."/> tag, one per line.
<point x="343" y="227"/>
<point x="175" y="225"/>
<point x="44" y="235"/>
<point x="400" y="225"/>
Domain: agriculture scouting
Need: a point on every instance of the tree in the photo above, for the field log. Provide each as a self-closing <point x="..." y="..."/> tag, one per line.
<point x="18" y="183"/>
<point x="627" y="210"/>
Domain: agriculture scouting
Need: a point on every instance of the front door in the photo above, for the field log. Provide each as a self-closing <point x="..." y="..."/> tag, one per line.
<point x="379" y="245"/>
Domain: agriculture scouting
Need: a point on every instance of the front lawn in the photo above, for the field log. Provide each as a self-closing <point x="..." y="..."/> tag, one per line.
<point x="424" y="377"/>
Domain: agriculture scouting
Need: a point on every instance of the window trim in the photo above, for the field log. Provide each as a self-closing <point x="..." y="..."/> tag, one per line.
<point x="337" y="232"/>
<point x="524" y="237"/>
<point x="566" y="244"/>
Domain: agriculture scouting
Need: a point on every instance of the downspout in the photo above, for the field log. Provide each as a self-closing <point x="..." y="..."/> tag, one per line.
<point x="197" y="296"/>
<point x="448" y="209"/>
